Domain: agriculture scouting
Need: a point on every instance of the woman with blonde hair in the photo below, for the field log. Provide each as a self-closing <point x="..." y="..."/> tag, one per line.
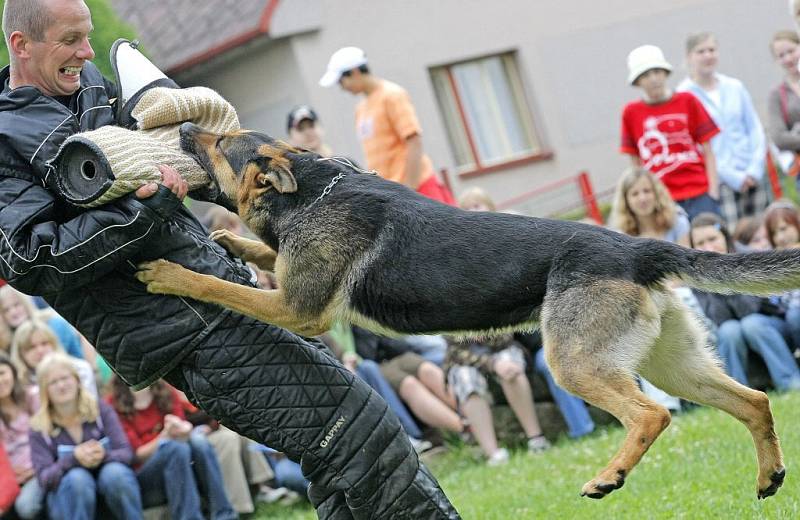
<point x="33" y="341"/>
<point x="18" y="307"/>
<point x="643" y="208"/>
<point x="79" y="449"/>
<point x="476" y="199"/>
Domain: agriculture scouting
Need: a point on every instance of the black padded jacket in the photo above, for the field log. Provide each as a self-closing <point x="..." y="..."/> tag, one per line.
<point x="83" y="261"/>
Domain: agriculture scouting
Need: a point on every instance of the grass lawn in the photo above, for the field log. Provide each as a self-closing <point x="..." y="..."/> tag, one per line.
<point x="703" y="466"/>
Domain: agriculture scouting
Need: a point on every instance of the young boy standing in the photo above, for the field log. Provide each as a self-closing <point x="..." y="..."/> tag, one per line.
<point x="669" y="134"/>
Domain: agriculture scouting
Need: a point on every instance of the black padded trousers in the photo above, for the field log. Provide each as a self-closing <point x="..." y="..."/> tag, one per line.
<point x="289" y="393"/>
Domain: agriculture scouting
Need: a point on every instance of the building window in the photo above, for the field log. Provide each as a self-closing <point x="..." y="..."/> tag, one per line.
<point x="487" y="118"/>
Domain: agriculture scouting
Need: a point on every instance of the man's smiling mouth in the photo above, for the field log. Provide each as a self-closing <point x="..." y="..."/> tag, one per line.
<point x="70" y="71"/>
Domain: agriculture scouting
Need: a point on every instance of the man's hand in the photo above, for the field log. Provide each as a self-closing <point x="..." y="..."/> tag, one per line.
<point x="749" y="182"/>
<point x="171" y="179"/>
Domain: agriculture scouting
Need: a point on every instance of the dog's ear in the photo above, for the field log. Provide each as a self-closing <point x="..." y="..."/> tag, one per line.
<point x="276" y="173"/>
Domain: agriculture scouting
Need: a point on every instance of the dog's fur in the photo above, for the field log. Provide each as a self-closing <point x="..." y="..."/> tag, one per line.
<point x="376" y="254"/>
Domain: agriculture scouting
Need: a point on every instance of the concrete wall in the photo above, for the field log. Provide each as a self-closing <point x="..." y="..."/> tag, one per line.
<point x="571" y="57"/>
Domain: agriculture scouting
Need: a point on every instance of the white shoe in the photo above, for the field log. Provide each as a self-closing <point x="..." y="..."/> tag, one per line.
<point x="269" y="495"/>
<point x="498" y="458"/>
<point x="538" y="444"/>
<point x="420" y="445"/>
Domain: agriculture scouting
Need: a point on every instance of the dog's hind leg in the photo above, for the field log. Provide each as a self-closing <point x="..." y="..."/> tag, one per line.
<point x="681" y="365"/>
<point x="594" y="353"/>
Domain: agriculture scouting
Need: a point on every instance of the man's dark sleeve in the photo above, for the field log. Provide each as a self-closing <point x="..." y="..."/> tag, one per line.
<point x="41" y="253"/>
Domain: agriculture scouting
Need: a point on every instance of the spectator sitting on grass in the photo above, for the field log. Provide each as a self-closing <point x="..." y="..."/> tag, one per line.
<point x="419" y="383"/>
<point x="79" y="450"/>
<point x="174" y="465"/>
<point x="745" y="322"/>
<point x="467" y="366"/>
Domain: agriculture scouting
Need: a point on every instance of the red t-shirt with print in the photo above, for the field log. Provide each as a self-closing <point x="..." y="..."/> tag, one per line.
<point x="145" y="425"/>
<point x="666" y="137"/>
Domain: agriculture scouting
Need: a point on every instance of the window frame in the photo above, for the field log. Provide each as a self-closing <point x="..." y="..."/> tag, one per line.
<point x="513" y="76"/>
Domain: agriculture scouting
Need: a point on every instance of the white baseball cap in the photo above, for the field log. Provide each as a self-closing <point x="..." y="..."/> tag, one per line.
<point x="346" y="58"/>
<point x="644" y="58"/>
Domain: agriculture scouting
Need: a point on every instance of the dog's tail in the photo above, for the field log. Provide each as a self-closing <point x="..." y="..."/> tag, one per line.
<point x="759" y="273"/>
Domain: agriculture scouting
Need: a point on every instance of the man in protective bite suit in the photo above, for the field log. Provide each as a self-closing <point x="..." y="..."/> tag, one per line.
<point x="262" y="381"/>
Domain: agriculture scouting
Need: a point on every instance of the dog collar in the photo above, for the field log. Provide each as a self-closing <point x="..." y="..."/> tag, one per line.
<point x="344" y="161"/>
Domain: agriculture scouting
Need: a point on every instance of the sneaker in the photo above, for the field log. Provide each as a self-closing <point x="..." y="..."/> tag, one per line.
<point x="269" y="495"/>
<point x="420" y="445"/>
<point x="498" y="458"/>
<point x="538" y="444"/>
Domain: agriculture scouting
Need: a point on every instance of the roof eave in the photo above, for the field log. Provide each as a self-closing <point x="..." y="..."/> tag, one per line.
<point x="261" y="29"/>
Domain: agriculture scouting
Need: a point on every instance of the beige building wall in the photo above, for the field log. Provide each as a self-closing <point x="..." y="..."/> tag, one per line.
<point x="571" y="57"/>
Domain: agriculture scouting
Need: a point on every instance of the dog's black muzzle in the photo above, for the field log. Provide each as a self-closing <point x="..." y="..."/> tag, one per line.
<point x="211" y="193"/>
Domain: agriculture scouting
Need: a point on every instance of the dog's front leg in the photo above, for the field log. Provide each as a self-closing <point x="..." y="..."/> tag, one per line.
<point x="248" y="250"/>
<point x="164" y="277"/>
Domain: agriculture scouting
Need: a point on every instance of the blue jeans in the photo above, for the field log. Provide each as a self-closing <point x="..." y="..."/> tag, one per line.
<point x="700" y="204"/>
<point x="76" y="495"/>
<point x="288" y="474"/>
<point x="577" y="417"/>
<point x="732" y="350"/>
<point x="370" y="372"/>
<point x="30" y="501"/>
<point x="167" y="477"/>
<point x="793" y="323"/>
<point x="766" y="336"/>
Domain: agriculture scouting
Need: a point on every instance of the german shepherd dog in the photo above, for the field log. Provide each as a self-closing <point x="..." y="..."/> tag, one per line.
<point x="346" y="245"/>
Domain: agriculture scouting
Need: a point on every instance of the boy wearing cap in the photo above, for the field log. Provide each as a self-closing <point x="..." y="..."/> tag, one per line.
<point x="386" y="124"/>
<point x="668" y="134"/>
<point x="305" y="131"/>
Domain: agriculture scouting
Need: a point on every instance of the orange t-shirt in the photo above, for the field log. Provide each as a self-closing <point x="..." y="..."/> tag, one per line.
<point x="384" y="120"/>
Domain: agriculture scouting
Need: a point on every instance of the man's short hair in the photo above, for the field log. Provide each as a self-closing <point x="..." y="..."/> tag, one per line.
<point x="30" y="17"/>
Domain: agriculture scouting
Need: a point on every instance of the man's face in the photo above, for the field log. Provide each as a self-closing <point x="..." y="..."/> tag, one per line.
<point x="54" y="65"/>
<point x="351" y="81"/>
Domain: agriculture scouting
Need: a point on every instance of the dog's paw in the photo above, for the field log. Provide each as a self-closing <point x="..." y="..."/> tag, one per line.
<point x="226" y="239"/>
<point x="603" y="484"/>
<point x="767" y="489"/>
<point x="163" y="277"/>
